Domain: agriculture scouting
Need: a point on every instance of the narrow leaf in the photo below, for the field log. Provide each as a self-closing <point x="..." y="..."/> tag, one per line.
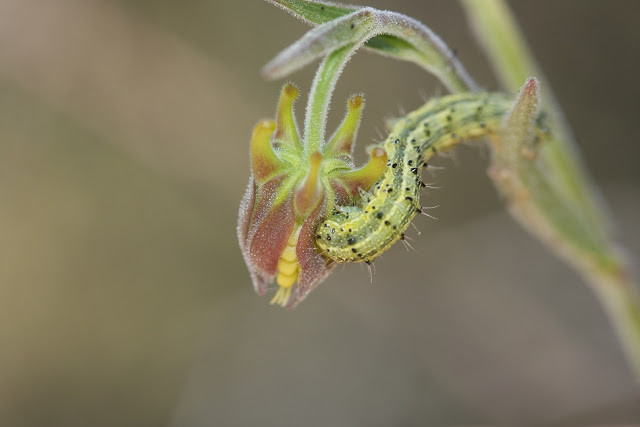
<point x="318" y="42"/>
<point x="317" y="12"/>
<point x="313" y="12"/>
<point x="388" y="33"/>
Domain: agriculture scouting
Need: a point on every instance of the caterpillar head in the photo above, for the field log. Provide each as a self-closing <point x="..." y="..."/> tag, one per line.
<point x="290" y="191"/>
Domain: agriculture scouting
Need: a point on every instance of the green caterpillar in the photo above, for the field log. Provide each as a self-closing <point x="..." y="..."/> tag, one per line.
<point x="380" y="217"/>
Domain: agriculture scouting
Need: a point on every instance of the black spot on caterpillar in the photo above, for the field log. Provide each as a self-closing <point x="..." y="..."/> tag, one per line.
<point x="396" y="195"/>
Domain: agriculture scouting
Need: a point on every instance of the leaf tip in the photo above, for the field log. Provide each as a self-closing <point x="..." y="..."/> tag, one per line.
<point x="531" y="89"/>
<point x="356" y="102"/>
<point x="291" y="91"/>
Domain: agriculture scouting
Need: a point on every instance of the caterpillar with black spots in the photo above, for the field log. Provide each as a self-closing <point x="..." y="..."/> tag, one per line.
<point x="368" y="227"/>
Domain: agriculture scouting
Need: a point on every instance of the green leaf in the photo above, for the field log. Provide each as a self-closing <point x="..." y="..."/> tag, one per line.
<point x="388" y="33"/>
<point x="316" y="12"/>
<point x="336" y="40"/>
<point x="351" y="29"/>
<point x="313" y="12"/>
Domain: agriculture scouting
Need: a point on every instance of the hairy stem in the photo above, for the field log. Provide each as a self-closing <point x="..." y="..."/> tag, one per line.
<point x="321" y="91"/>
<point x="565" y="210"/>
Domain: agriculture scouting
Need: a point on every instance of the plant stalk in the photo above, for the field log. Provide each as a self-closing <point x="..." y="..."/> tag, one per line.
<point x="584" y="236"/>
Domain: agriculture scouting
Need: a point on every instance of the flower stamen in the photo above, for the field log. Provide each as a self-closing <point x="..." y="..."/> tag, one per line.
<point x="288" y="270"/>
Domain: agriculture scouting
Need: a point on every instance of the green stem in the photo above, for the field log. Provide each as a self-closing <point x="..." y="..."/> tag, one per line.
<point x="622" y="305"/>
<point x="514" y="62"/>
<point x="573" y="223"/>
<point x="321" y="91"/>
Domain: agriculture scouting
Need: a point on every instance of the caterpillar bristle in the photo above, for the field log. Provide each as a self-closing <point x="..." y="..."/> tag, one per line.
<point x="429" y="215"/>
<point x="431" y="167"/>
<point x="380" y="215"/>
<point x="407" y="245"/>
<point x="430" y="186"/>
<point x="415" y="227"/>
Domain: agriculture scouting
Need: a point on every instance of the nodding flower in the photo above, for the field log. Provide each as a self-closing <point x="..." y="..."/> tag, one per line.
<point x="290" y="191"/>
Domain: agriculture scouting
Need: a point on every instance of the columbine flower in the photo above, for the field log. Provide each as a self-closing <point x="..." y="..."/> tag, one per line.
<point x="290" y="191"/>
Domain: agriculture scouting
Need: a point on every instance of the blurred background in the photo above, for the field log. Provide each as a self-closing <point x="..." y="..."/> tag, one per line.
<point x="124" y="299"/>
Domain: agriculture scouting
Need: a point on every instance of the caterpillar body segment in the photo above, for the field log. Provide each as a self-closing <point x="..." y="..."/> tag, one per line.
<point x="379" y="217"/>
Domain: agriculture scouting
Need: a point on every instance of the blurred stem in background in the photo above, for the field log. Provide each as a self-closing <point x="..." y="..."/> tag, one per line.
<point x="586" y="238"/>
<point x="546" y="187"/>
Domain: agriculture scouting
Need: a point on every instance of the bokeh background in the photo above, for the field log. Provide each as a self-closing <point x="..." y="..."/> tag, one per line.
<point x="124" y="299"/>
